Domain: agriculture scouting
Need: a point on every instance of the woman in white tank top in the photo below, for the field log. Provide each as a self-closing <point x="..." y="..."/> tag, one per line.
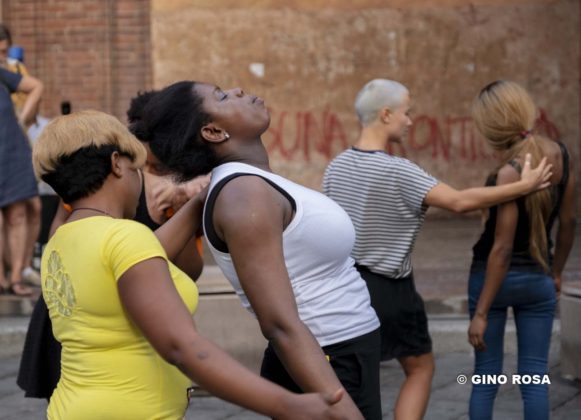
<point x="285" y="248"/>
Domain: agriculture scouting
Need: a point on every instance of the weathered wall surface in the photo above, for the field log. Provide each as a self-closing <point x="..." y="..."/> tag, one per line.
<point x="93" y="53"/>
<point x="308" y="59"/>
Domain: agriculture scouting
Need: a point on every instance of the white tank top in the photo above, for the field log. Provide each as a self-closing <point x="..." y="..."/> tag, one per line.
<point x="332" y="298"/>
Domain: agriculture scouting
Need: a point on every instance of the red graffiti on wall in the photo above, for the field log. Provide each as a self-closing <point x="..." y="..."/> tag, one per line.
<point x="325" y="135"/>
<point x="301" y="134"/>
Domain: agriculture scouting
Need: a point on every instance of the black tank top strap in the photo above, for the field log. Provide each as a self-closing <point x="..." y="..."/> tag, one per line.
<point x="209" y="229"/>
<point x="142" y="213"/>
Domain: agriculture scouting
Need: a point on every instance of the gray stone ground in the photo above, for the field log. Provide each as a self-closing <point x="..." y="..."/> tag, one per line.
<point x="449" y="400"/>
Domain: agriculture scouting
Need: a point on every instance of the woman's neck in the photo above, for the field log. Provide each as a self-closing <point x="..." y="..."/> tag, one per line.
<point x="252" y="153"/>
<point x="371" y="138"/>
<point x="96" y="205"/>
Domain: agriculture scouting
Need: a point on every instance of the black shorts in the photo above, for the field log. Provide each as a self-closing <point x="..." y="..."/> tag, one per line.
<point x="402" y="314"/>
<point x="356" y="364"/>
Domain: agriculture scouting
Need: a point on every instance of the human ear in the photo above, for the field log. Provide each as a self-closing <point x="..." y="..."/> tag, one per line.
<point x="116" y="168"/>
<point x="385" y="115"/>
<point x="213" y="133"/>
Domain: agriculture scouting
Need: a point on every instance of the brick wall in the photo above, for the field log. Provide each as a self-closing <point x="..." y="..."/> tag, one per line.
<point x="93" y="53"/>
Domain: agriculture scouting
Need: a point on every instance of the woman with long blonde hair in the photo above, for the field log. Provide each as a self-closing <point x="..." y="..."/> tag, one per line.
<point x="514" y="263"/>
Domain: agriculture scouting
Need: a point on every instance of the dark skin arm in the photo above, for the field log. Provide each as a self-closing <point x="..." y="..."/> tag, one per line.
<point x="154" y="305"/>
<point x="566" y="230"/>
<point x="189" y="260"/>
<point x="498" y="261"/>
<point x="178" y="236"/>
<point x="250" y="217"/>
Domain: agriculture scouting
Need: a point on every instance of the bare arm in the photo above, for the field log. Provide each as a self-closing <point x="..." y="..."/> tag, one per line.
<point x="498" y="261"/>
<point x="250" y="216"/>
<point x="566" y="230"/>
<point x="189" y="260"/>
<point x="59" y="218"/>
<point x="181" y="228"/>
<point x="446" y="197"/>
<point x="34" y="88"/>
<point x="151" y="300"/>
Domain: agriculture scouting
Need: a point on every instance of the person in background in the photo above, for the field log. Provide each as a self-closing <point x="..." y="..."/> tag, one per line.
<point x="387" y="198"/>
<point x="33" y="204"/>
<point x="514" y="263"/>
<point x="17" y="180"/>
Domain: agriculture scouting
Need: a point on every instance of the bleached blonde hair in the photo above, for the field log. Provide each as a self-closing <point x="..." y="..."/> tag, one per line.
<point x="376" y="95"/>
<point x="67" y="134"/>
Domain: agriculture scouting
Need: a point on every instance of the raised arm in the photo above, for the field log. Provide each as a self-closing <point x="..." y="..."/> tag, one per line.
<point x="34" y="88"/>
<point x="179" y="230"/>
<point x="189" y="259"/>
<point x="498" y="261"/>
<point x="566" y="230"/>
<point x="250" y="216"/>
<point x="462" y="201"/>
<point x="152" y="302"/>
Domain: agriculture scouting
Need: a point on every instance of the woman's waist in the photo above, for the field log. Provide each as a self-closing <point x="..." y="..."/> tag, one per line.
<point x="104" y="365"/>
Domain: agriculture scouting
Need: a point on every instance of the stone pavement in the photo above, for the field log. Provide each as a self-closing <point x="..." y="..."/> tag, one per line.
<point x="449" y="400"/>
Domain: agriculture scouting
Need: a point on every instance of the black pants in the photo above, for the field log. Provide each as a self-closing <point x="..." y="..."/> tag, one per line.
<point x="356" y="364"/>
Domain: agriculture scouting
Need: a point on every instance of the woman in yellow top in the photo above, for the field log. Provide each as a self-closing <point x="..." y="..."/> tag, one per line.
<point x="121" y="310"/>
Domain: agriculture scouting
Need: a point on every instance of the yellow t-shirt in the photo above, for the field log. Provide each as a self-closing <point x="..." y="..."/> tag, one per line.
<point x="108" y="369"/>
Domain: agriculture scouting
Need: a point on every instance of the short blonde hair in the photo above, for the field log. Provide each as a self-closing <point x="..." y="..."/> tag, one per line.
<point x="378" y="94"/>
<point x="68" y="134"/>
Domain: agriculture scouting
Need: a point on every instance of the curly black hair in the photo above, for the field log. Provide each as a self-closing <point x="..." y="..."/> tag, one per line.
<point x="170" y="122"/>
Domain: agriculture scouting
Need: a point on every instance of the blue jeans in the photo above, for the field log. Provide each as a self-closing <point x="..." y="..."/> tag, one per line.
<point x="532" y="297"/>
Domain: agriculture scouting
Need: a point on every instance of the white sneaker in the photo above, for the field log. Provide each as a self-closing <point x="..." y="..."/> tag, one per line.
<point x="31" y="276"/>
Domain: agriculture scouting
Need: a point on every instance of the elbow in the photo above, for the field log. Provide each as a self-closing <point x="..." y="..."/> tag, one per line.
<point x="276" y="331"/>
<point x="38" y="88"/>
<point x="460" y="206"/>
<point x="171" y="351"/>
<point x="501" y="254"/>
<point x="174" y="350"/>
<point x="569" y="223"/>
<point x="174" y="344"/>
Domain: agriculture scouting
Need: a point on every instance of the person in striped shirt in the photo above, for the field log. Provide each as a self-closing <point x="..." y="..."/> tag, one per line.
<point x="387" y="198"/>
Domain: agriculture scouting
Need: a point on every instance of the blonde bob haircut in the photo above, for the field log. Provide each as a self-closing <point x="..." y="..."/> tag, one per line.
<point x="68" y="134"/>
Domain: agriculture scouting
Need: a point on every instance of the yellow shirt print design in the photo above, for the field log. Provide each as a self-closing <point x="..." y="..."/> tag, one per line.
<point x="59" y="291"/>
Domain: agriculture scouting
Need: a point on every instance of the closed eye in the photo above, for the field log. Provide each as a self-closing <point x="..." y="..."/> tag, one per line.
<point x="218" y="91"/>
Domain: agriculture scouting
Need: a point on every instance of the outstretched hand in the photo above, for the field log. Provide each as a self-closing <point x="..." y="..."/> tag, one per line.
<point x="538" y="178"/>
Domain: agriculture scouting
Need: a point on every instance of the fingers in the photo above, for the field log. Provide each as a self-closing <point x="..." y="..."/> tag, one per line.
<point x="477" y="341"/>
<point x="543" y="186"/>
<point x="528" y="158"/>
